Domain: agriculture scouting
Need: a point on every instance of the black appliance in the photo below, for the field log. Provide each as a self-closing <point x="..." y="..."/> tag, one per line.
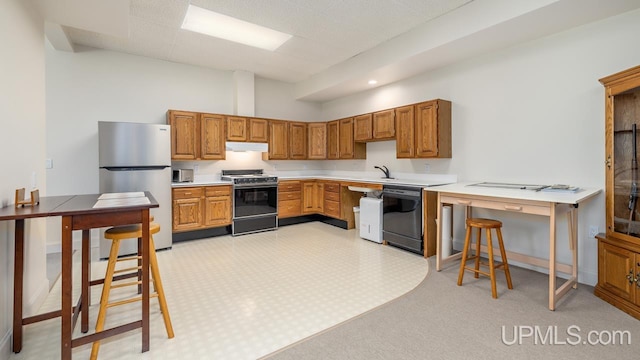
<point x="255" y="201"/>
<point x="402" y="217"/>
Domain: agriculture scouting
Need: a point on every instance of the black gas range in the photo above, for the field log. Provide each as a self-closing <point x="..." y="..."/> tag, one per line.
<point x="255" y="201"/>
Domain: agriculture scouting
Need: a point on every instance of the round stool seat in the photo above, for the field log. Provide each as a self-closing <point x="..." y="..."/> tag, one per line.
<point x="484" y="223"/>
<point x="129" y="231"/>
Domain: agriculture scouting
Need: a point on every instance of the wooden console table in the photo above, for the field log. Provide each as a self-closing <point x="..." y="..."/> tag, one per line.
<point x="78" y="213"/>
<point x="549" y="204"/>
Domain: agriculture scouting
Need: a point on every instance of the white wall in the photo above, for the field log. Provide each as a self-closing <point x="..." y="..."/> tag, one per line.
<point x="22" y="145"/>
<point x="532" y="113"/>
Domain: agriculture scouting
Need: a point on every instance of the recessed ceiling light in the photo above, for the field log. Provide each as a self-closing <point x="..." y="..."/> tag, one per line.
<point x="226" y="27"/>
<point x="373" y="82"/>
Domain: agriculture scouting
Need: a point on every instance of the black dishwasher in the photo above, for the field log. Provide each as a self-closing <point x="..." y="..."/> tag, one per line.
<point x="402" y="217"/>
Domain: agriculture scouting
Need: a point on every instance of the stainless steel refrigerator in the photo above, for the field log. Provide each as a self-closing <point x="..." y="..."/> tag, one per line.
<point x="137" y="157"/>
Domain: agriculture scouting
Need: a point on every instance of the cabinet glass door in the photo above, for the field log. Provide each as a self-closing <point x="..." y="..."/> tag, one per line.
<point x="626" y="131"/>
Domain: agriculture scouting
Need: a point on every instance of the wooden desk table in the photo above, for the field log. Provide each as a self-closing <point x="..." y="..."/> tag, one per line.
<point x="549" y="204"/>
<point x="77" y="213"/>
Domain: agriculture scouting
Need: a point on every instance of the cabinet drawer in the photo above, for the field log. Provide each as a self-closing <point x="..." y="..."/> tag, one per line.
<point x="218" y="190"/>
<point x="333" y="196"/>
<point x="331" y="187"/>
<point x="188" y="193"/>
<point x="332" y="208"/>
<point x="288" y="208"/>
<point x="289" y="186"/>
<point x="523" y="206"/>
<point x="289" y="196"/>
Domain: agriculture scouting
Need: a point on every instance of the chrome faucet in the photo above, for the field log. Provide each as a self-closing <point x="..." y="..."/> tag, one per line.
<point x="384" y="170"/>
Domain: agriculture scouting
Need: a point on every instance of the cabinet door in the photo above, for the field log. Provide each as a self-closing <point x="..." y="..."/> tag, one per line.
<point x="212" y="137"/>
<point x="363" y="128"/>
<point x="317" y="141"/>
<point x="616" y="270"/>
<point x="312" y="197"/>
<point x="297" y="140"/>
<point x="278" y="140"/>
<point x="427" y="129"/>
<point x="405" y="134"/>
<point x="217" y="210"/>
<point x="258" y="130"/>
<point x="345" y="136"/>
<point x="185" y="135"/>
<point x="217" y="206"/>
<point x="237" y="128"/>
<point x="384" y="126"/>
<point x="187" y="214"/>
<point x="333" y="142"/>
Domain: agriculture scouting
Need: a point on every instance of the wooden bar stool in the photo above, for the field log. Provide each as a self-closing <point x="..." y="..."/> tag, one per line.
<point x="487" y="224"/>
<point x="117" y="234"/>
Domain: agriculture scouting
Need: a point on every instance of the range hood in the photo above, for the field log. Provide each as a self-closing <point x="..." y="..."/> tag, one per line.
<point x="246" y="146"/>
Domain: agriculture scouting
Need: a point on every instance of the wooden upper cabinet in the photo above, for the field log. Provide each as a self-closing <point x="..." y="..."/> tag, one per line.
<point x="317" y="141"/>
<point x="297" y="140"/>
<point x="258" y="130"/>
<point x="405" y="134"/>
<point x="237" y="128"/>
<point x="348" y="149"/>
<point x="278" y="140"/>
<point x="384" y="126"/>
<point x="433" y="129"/>
<point x="363" y="128"/>
<point x="212" y="137"/>
<point x="185" y="135"/>
<point x="333" y="143"/>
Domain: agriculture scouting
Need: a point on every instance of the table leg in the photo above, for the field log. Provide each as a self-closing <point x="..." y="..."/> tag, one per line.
<point x="66" y="313"/>
<point x="573" y="242"/>
<point x="86" y="277"/>
<point x="18" y="285"/>
<point x="552" y="258"/>
<point x="145" y="280"/>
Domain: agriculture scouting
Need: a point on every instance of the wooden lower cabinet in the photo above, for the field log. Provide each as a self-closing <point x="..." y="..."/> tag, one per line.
<point x="289" y="199"/>
<point x="619" y="276"/>
<point x="332" y="199"/>
<point x="196" y="208"/>
<point x="217" y="206"/>
<point x="312" y="197"/>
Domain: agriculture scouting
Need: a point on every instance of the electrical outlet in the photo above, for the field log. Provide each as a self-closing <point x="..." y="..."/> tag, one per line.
<point x="196" y="168"/>
<point x="48" y="163"/>
<point x="427" y="167"/>
<point x="593" y="231"/>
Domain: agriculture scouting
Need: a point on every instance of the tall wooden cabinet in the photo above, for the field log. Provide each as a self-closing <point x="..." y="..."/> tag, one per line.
<point x="619" y="247"/>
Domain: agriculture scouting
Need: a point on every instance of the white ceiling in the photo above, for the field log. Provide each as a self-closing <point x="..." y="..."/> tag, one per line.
<point x="337" y="45"/>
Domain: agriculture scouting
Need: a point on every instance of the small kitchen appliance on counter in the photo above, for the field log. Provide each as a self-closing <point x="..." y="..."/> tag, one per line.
<point x="183" y="175"/>
<point x="255" y="201"/>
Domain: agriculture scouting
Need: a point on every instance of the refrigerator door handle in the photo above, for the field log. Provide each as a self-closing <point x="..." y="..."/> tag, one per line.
<point x="134" y="168"/>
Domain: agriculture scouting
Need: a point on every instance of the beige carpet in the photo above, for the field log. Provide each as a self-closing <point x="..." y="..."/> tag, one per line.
<point x="439" y="320"/>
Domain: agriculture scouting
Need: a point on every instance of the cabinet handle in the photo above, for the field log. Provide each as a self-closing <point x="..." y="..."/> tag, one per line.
<point x="608" y="162"/>
<point x="513" y="208"/>
<point x="187" y="193"/>
<point x="638" y="278"/>
<point x="630" y="277"/>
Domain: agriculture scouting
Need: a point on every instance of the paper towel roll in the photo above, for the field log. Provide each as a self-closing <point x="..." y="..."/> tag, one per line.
<point x="447" y="237"/>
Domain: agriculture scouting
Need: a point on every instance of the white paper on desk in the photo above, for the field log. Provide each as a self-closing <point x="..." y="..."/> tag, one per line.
<point x="121" y="202"/>
<point x="121" y="195"/>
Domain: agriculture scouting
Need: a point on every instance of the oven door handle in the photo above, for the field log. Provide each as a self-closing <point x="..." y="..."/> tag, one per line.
<point x="255" y="186"/>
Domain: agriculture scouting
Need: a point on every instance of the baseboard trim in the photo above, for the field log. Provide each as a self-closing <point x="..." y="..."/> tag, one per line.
<point x="5" y="346"/>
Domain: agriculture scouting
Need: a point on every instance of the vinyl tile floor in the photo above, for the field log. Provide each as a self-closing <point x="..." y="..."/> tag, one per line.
<point x="245" y="297"/>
